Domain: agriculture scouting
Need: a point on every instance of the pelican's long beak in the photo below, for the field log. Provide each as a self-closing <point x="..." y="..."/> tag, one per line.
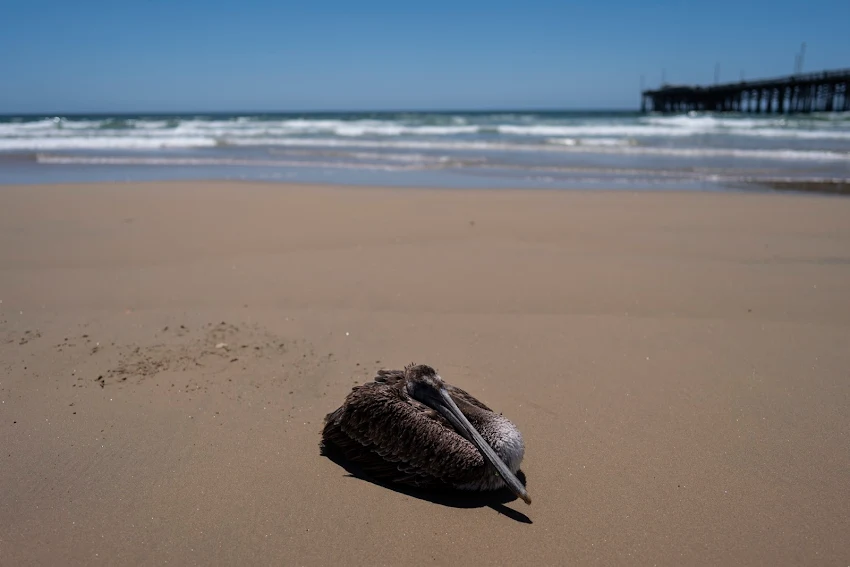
<point x="462" y="425"/>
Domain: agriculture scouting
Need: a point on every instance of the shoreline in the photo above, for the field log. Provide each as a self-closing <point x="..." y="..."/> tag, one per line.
<point x="674" y="360"/>
<point x="826" y="188"/>
<point x="23" y="169"/>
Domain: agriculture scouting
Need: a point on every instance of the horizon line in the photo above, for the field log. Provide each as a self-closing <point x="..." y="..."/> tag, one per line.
<point x="334" y="111"/>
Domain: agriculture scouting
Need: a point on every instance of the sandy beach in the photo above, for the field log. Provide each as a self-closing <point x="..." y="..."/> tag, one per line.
<point x="678" y="364"/>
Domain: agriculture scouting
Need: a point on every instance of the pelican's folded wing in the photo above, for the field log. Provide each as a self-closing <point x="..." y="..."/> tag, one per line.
<point x="395" y="439"/>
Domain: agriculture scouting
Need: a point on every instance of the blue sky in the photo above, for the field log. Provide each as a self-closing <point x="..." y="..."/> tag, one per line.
<point x="171" y="55"/>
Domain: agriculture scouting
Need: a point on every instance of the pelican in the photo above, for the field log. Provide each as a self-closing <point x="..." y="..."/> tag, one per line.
<point x="410" y="427"/>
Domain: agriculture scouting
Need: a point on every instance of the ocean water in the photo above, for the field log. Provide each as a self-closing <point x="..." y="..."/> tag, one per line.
<point x="616" y="150"/>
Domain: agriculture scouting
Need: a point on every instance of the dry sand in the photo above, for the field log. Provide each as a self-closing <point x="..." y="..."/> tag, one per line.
<point x="679" y="365"/>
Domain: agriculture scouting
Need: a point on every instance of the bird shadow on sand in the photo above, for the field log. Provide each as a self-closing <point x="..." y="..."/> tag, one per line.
<point x="444" y="497"/>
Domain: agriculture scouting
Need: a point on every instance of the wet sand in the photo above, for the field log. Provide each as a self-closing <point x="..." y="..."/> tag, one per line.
<point x="677" y="363"/>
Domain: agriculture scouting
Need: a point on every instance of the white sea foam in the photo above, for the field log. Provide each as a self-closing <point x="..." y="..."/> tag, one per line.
<point x="610" y="142"/>
<point x="780" y="154"/>
<point x="568" y="145"/>
<point x="670" y="130"/>
<point x="556" y="145"/>
<point x="508" y="126"/>
<point x="801" y="134"/>
<point x="405" y="158"/>
<point x="348" y="128"/>
<point x="104" y="142"/>
<point x="764" y="127"/>
<point x="588" y="130"/>
<point x="177" y="161"/>
<point x="706" y="123"/>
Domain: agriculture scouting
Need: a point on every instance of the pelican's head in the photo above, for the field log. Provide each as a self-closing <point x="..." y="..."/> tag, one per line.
<point x="422" y="381"/>
<point x="425" y="385"/>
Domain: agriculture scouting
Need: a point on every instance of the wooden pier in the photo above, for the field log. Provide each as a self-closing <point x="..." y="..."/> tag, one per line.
<point x="828" y="91"/>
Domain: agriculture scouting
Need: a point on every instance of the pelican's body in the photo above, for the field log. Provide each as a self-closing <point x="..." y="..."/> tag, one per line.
<point x="410" y="427"/>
